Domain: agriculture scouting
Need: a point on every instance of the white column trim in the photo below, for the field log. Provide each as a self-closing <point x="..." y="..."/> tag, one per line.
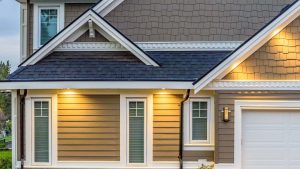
<point x="14" y="119"/>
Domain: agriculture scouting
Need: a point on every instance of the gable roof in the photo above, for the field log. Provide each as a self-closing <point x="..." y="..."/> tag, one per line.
<point x="250" y="46"/>
<point x="79" y="22"/>
<point x="119" y="66"/>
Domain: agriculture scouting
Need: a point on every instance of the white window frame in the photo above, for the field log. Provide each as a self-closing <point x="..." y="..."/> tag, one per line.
<point x="201" y="145"/>
<point x="207" y="141"/>
<point x="128" y="100"/>
<point x="33" y="100"/>
<point x="37" y="22"/>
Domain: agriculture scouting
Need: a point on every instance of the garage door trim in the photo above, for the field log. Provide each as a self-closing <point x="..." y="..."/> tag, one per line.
<point x="241" y="105"/>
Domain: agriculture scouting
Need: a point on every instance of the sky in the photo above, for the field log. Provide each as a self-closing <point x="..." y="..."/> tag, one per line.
<point x="10" y="32"/>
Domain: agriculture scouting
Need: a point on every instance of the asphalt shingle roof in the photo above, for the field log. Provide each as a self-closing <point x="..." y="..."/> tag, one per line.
<point x="120" y="66"/>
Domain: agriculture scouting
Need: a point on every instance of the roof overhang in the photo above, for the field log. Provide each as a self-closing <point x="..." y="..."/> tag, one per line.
<point x="96" y="85"/>
<point x="250" y="46"/>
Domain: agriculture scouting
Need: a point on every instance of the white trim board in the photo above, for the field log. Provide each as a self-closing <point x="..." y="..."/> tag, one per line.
<point x="151" y="46"/>
<point x="239" y="106"/>
<point x="253" y="85"/>
<point x="77" y="24"/>
<point x="251" y="46"/>
<point x="96" y="85"/>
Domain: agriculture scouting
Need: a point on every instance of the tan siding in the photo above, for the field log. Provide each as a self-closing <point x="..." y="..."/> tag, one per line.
<point x="278" y="59"/>
<point x="88" y="128"/>
<point x="167" y="132"/>
<point x="86" y="38"/>
<point x="224" y="152"/>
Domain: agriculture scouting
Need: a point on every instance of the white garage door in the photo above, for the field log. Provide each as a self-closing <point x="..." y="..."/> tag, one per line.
<point x="270" y="139"/>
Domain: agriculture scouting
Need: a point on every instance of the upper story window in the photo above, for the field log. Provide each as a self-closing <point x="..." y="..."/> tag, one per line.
<point x="48" y="21"/>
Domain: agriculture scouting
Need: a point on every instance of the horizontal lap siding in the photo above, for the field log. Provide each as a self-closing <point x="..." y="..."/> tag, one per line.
<point x="225" y="131"/>
<point x="88" y="128"/>
<point x="166" y="122"/>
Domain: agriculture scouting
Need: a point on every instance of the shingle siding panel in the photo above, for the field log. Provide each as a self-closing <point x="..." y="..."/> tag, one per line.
<point x="193" y="20"/>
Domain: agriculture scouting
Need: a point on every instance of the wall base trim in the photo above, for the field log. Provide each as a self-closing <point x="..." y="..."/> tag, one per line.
<point x="224" y="166"/>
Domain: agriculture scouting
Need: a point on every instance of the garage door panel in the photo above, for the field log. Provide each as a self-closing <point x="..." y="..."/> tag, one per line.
<point x="271" y="139"/>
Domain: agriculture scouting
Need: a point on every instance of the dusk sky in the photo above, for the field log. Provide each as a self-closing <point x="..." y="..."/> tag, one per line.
<point x="10" y="32"/>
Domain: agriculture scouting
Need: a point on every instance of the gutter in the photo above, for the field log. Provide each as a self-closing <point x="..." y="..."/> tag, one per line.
<point x="180" y="157"/>
<point x="22" y="126"/>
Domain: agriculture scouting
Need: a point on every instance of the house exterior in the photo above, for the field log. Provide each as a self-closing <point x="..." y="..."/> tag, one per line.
<point x="157" y="84"/>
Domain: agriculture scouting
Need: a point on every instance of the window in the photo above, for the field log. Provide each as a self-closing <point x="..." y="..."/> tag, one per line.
<point x="200" y="127"/>
<point x="136" y="131"/>
<point x="48" y="21"/>
<point x="41" y="128"/>
<point x="48" y="24"/>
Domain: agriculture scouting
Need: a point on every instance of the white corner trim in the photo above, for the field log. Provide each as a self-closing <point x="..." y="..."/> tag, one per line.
<point x="239" y="106"/>
<point x="89" y="15"/>
<point x="151" y="46"/>
<point x="225" y="166"/>
<point x="96" y="85"/>
<point x="253" y="85"/>
<point x="251" y="46"/>
<point x="105" y="6"/>
<point x="14" y="120"/>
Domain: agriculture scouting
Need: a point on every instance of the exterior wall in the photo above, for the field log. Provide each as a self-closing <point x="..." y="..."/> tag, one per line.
<point x="85" y="38"/>
<point x="224" y="152"/>
<point x="193" y="20"/>
<point x="278" y="59"/>
<point x="166" y="131"/>
<point x="72" y="11"/>
<point x="88" y="127"/>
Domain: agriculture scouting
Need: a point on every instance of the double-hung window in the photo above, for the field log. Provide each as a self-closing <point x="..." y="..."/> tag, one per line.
<point x="41" y="130"/>
<point x="136" y="136"/>
<point x="48" y="21"/>
<point x="200" y="121"/>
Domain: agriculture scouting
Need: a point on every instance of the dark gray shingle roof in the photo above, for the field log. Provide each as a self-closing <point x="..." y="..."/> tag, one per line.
<point x="119" y="66"/>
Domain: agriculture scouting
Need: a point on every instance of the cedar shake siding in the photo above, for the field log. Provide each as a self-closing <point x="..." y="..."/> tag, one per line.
<point x="166" y="131"/>
<point x="193" y="20"/>
<point x="224" y="152"/>
<point x="88" y="127"/>
<point x="278" y="59"/>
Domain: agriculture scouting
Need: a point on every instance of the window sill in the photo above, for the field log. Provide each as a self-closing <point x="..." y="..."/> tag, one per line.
<point x="200" y="147"/>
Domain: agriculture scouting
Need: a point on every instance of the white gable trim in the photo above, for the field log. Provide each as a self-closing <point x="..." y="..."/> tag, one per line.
<point x="67" y="32"/>
<point x="253" y="85"/>
<point x="105" y="6"/>
<point x="251" y="46"/>
<point x="151" y="46"/>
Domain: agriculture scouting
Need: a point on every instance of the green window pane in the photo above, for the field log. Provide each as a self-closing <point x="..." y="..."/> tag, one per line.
<point x="37" y="112"/>
<point x="37" y="105"/>
<point x="140" y="105"/>
<point x="195" y="113"/>
<point x="136" y="140"/>
<point x="203" y="113"/>
<point x="203" y="105"/>
<point x="41" y="134"/>
<point x="132" y="112"/>
<point x="196" y="105"/>
<point x="199" y="129"/>
<point x="132" y="104"/>
<point x="140" y="112"/>
<point x="48" y="25"/>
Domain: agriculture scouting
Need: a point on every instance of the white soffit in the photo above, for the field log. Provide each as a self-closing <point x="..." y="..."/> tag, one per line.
<point x="251" y="46"/>
<point x="152" y="46"/>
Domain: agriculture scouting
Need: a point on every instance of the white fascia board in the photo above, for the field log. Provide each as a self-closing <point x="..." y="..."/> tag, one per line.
<point x="105" y="6"/>
<point x="96" y="85"/>
<point x="253" y="85"/>
<point x="250" y="47"/>
<point x="67" y="32"/>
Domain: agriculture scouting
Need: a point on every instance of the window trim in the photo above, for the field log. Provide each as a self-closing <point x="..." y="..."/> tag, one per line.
<point x="189" y="144"/>
<point x="34" y="163"/>
<point x="60" y="7"/>
<point x="208" y="140"/>
<point x="128" y="100"/>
